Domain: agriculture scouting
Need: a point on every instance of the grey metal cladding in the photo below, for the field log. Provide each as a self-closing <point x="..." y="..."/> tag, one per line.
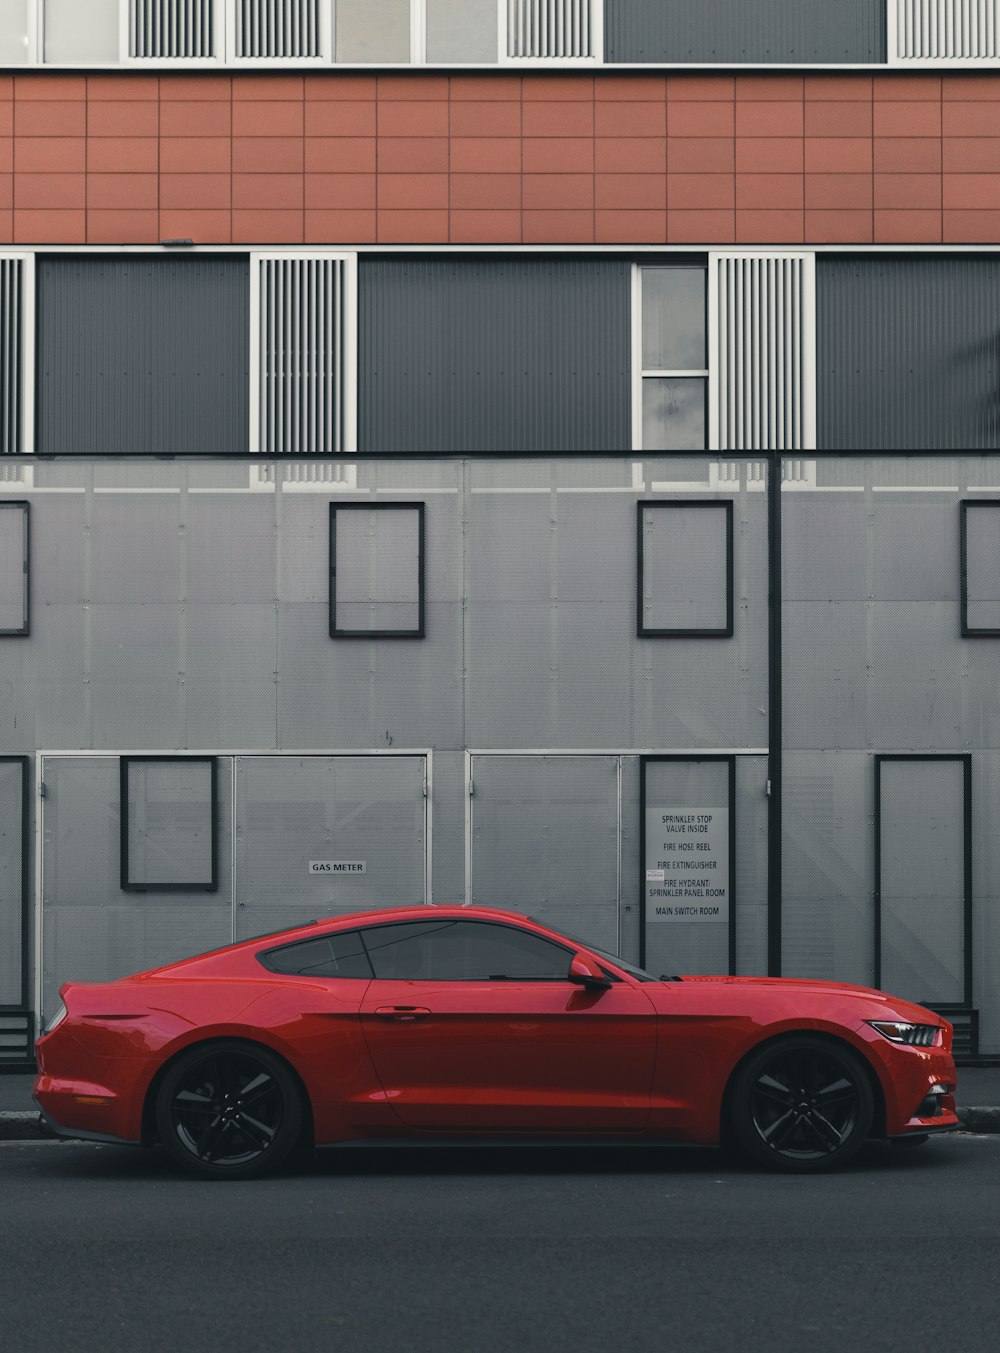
<point x="906" y="353"/>
<point x="494" y="355"/>
<point x="745" y="30"/>
<point x="143" y="355"/>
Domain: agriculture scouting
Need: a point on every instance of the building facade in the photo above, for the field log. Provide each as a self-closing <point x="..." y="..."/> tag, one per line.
<point x="566" y="478"/>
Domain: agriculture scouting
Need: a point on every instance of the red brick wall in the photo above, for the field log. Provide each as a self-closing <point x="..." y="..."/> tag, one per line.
<point x="567" y="159"/>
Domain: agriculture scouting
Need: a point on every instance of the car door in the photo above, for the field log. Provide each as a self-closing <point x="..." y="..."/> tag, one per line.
<point x="474" y="1026"/>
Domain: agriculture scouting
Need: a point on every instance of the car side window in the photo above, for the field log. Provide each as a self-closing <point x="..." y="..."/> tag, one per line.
<point x="338" y="955"/>
<point x="464" y="951"/>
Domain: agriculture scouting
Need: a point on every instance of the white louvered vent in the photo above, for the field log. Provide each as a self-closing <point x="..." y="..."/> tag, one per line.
<point x="945" y="30"/>
<point x="181" y="30"/>
<point x="285" y="29"/>
<point x="551" y="30"/>
<point x="763" y="373"/>
<point x="11" y="355"/>
<point x="305" y="363"/>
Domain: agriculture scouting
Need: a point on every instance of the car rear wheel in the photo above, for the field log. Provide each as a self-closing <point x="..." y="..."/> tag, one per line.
<point x="802" y="1105"/>
<point x="229" y="1110"/>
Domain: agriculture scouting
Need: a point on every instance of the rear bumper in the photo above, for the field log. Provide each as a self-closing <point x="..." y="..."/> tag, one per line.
<point x="51" y="1127"/>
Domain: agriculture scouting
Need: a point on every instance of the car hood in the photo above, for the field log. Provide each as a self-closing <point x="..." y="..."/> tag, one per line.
<point x="793" y="995"/>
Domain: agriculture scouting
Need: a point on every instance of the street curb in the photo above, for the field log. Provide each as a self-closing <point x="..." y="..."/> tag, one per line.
<point x="19" y="1127"/>
<point x="983" y="1118"/>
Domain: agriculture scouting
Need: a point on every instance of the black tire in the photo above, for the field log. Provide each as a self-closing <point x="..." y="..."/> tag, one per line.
<point x="801" y="1105"/>
<point x="203" y="1110"/>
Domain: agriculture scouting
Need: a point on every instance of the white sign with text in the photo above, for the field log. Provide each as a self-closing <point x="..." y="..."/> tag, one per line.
<point x="687" y="864"/>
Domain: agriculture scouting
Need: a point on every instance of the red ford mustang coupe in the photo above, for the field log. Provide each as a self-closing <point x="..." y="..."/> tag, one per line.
<point x="451" y="1022"/>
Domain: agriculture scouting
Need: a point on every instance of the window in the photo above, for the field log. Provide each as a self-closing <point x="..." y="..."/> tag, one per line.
<point x="81" y="32"/>
<point x="685" y="569"/>
<point x="464" y="951"/>
<point x="169" y="824"/>
<point x="16" y="309"/>
<point x="925" y="32"/>
<point x="377" y="570"/>
<point x="979" y="538"/>
<point x="17" y="44"/>
<point x="671" y="361"/>
<point x="14" y="571"/>
<point x="339" y="955"/>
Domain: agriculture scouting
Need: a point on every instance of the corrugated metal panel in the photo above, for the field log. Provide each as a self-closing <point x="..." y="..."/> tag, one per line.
<point x="277" y="28"/>
<point x="143" y="355"/>
<point x="11" y="318"/>
<point x="745" y="30"/>
<point x="178" y="29"/>
<point x="929" y="30"/>
<point x="494" y="355"/>
<point x="550" y="28"/>
<point x="907" y="354"/>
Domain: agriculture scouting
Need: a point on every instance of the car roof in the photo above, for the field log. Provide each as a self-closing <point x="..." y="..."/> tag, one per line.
<point x="423" y="911"/>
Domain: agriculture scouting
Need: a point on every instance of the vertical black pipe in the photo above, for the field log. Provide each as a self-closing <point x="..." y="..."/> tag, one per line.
<point x="774" y="715"/>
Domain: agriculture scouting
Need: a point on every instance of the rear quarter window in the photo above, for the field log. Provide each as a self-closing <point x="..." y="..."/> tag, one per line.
<point x="339" y="955"/>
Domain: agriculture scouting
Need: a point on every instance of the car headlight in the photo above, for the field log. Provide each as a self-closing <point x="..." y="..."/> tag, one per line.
<point x="57" y="1018"/>
<point x="914" y="1035"/>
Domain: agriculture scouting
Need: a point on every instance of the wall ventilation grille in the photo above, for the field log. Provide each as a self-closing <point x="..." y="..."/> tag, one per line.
<point x="765" y="353"/>
<point x="303" y="345"/>
<point x="939" y="30"/>
<point x="11" y="331"/>
<point x="550" y="29"/>
<point x="182" y="30"/>
<point x="288" y="29"/>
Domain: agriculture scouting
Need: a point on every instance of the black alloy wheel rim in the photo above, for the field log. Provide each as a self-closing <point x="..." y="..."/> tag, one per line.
<point x="227" y="1110"/>
<point x="805" y="1105"/>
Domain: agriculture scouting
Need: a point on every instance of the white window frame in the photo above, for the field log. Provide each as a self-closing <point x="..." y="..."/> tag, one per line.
<point x="641" y="373"/>
<point x="895" y="24"/>
<point x="27" y="354"/>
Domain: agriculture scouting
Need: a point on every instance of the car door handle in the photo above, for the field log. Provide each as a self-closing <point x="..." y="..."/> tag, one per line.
<point x="401" y="1012"/>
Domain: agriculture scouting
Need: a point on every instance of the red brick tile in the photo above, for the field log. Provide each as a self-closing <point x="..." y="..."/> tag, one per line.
<point x="6" y="227"/>
<point x="268" y="155"/>
<point x="50" y="119"/>
<point x="204" y="227"/>
<point x="558" y="227"/>
<point x="767" y="87"/>
<point x="339" y="192"/>
<point x="412" y="227"/>
<point x="336" y="86"/>
<point x="123" y="119"/>
<point x="268" y="88"/>
<point x="560" y="155"/>
<point x="122" y="88"/>
<point x="486" y="154"/>
<point x="268" y="227"/>
<point x="415" y="119"/>
<point x="568" y="88"/>
<point x="838" y="227"/>
<point x="839" y="192"/>
<point x="769" y="227"/>
<point x="340" y="119"/>
<point x="6" y="87"/>
<point x="45" y="88"/>
<point x="630" y="227"/>
<point x="907" y="227"/>
<point x="50" y="227"/>
<point x="970" y="154"/>
<point x="971" y="227"/>
<point x="413" y="154"/>
<point x="195" y="119"/>
<point x="970" y="119"/>
<point x="268" y="119"/>
<point x="907" y="88"/>
<point x="194" y="154"/>
<point x="769" y="155"/>
<point x="6" y="119"/>
<point x="838" y="155"/>
<point x="701" y="119"/>
<point x="838" y="119"/>
<point x="271" y="192"/>
<point x="340" y="154"/>
<point x="50" y="191"/>
<point x="6" y="155"/>
<point x="769" y="119"/>
<point x="486" y="192"/>
<point x="701" y="155"/>
<point x="122" y="227"/>
<point x="558" y="192"/>
<point x="971" y="192"/>
<point x="558" y="119"/>
<point x="6" y="192"/>
<point x="196" y="88"/>
<point x="641" y="155"/>
<point x="907" y="155"/>
<point x="908" y="119"/>
<point x="413" y="86"/>
<point x="485" y="119"/>
<point x="203" y="191"/>
<point x="701" y="227"/>
<point x="631" y="192"/>
<point x="701" y="192"/>
<point x="124" y="155"/>
<point x="630" y="88"/>
<point x="692" y="88"/>
<point x="967" y="88"/>
<point x="486" y="88"/>
<point x="412" y="192"/>
<point x="908" y="191"/>
<point x="850" y="88"/>
<point x="123" y="192"/>
<point x="486" y="227"/>
<point x="50" y="155"/>
<point x="340" y="227"/>
<point x="630" y="119"/>
<point x="769" y="192"/>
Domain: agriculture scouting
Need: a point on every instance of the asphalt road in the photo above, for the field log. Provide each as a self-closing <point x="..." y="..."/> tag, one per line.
<point x="106" y="1249"/>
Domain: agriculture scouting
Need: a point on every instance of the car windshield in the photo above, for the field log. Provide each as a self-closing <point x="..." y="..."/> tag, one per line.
<point x="639" y="973"/>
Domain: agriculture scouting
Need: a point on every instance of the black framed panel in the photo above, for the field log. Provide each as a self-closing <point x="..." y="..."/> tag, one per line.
<point x="692" y="878"/>
<point x="691" y="568"/>
<point x="15" y="568"/>
<point x="168" y="842"/>
<point x="376" y="572"/>
<point x="15" y="832"/>
<point x="979" y="553"/>
<point x="933" y="858"/>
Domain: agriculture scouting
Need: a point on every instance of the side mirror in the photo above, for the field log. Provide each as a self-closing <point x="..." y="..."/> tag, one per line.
<point x="584" y="972"/>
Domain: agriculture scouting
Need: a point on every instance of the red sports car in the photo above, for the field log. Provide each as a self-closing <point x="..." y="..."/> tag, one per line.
<point x="450" y="1022"/>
